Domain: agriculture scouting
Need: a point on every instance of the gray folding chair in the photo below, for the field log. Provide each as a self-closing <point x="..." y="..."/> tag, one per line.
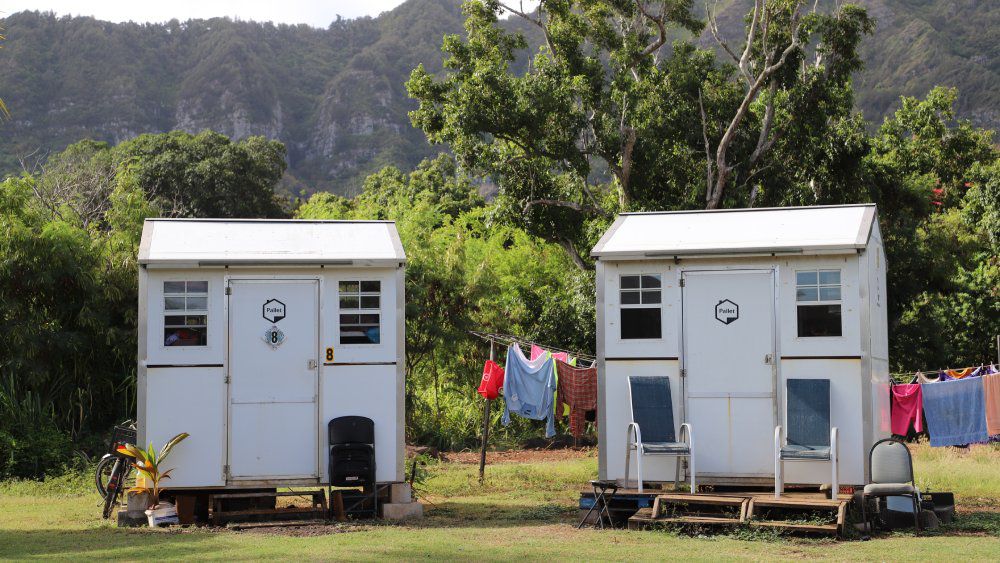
<point x="651" y="431"/>
<point x="892" y="475"/>
<point x="810" y="436"/>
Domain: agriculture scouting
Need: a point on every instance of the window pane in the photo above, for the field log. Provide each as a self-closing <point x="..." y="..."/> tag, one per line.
<point x="805" y="294"/>
<point x="173" y="287"/>
<point x="349" y="319"/>
<point x="349" y="302"/>
<point x="173" y="321"/>
<point x="369" y="302"/>
<point x="371" y="286"/>
<point x="173" y="303"/>
<point x="641" y="323"/>
<point x="651" y="296"/>
<point x="630" y="282"/>
<point x="819" y="320"/>
<point x="187" y="336"/>
<point x="829" y="276"/>
<point x="348" y="287"/>
<point x="829" y="293"/>
<point x="651" y="281"/>
<point x="197" y="303"/>
<point x="197" y="287"/>
<point x="630" y="298"/>
<point x="805" y="278"/>
<point x="196" y="320"/>
<point x="357" y="334"/>
<point x="369" y="319"/>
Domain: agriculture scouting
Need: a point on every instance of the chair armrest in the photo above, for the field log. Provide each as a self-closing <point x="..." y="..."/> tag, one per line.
<point x="685" y="435"/>
<point x="834" y="447"/>
<point x="633" y="430"/>
<point x="777" y="441"/>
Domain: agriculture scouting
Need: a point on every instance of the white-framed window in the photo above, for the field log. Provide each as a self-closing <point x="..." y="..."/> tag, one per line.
<point x="640" y="297"/>
<point x="185" y="313"/>
<point x="818" y="302"/>
<point x="360" y="311"/>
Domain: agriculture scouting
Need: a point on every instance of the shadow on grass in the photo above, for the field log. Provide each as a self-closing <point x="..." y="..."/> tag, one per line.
<point x="485" y="514"/>
<point x="103" y="543"/>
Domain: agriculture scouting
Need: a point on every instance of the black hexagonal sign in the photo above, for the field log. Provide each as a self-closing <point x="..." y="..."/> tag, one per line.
<point x="726" y="311"/>
<point x="273" y="310"/>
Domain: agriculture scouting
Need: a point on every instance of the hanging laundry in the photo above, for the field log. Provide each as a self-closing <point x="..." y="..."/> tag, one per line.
<point x="955" y="412"/>
<point x="907" y="408"/>
<point x="991" y="397"/>
<point x="578" y="389"/>
<point x="928" y="378"/>
<point x="492" y="380"/>
<point x="537" y="351"/>
<point x="953" y="374"/>
<point x="529" y="389"/>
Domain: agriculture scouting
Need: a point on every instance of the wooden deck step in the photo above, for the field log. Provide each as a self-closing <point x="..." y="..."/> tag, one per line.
<point x="813" y="515"/>
<point x="704" y="508"/>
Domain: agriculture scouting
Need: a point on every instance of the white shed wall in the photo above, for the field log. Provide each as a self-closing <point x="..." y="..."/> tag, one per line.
<point x="836" y="358"/>
<point x="183" y="389"/>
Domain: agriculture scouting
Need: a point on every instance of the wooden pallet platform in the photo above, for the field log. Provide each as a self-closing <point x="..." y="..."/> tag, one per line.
<point x="220" y="515"/>
<point x="804" y="513"/>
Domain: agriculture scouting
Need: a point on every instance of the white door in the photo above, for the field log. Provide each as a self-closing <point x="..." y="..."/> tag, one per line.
<point x="273" y="358"/>
<point x="728" y="337"/>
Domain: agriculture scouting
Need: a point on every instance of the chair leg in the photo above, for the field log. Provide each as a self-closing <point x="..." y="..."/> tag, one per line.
<point x="677" y="473"/>
<point x="628" y="456"/>
<point x="638" y="467"/>
<point x="916" y="512"/>
<point x="779" y="484"/>
<point x="864" y="513"/>
<point x="694" y="483"/>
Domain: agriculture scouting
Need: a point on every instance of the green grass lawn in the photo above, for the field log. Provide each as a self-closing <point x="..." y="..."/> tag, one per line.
<point x="522" y="511"/>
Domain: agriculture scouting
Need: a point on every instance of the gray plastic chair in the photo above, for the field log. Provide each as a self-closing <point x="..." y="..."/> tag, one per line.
<point x="810" y="435"/>
<point x="651" y="431"/>
<point x="891" y="476"/>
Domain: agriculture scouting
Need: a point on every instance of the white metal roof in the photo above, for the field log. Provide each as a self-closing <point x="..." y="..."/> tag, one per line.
<point x="805" y="230"/>
<point x="206" y="242"/>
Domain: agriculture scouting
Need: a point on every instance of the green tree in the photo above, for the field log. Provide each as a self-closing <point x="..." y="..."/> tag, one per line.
<point x="606" y="92"/>
<point x="207" y="175"/>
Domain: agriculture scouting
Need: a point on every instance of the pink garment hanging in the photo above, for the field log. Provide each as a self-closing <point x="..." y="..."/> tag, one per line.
<point x="907" y="408"/>
<point x="539" y="351"/>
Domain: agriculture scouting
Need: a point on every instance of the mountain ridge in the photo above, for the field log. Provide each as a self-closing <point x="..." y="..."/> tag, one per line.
<point x="336" y="96"/>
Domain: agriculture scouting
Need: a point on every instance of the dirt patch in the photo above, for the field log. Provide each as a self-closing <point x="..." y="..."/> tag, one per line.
<point x="520" y="456"/>
<point x="298" y="530"/>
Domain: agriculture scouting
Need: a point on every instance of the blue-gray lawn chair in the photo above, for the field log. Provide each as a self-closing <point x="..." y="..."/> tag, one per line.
<point x="651" y="431"/>
<point x="892" y="475"/>
<point x="810" y="436"/>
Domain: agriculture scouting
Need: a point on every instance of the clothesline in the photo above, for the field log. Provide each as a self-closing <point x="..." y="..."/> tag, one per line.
<point x="508" y="339"/>
<point x="910" y="374"/>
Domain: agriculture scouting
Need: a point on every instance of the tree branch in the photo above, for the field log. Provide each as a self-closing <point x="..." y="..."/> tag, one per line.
<point x="574" y="255"/>
<point x="537" y="21"/>
<point x="658" y="20"/>
<point x="708" y="150"/>
<point x="580" y="207"/>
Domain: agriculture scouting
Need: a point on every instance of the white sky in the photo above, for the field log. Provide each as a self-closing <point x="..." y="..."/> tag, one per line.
<point x="318" y="13"/>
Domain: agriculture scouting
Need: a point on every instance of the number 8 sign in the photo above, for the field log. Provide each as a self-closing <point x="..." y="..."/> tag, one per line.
<point x="273" y="337"/>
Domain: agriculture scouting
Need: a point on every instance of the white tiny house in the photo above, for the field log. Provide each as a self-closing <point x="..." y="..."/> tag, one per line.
<point x="254" y="334"/>
<point x="737" y="308"/>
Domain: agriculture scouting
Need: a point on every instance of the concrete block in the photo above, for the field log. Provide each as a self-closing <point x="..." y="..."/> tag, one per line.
<point x="400" y="492"/>
<point x="402" y="510"/>
<point x="137" y="503"/>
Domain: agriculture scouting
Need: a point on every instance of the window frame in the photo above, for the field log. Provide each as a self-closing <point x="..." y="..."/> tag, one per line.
<point x="359" y="310"/>
<point x="185" y="312"/>
<point x="640" y="290"/>
<point x="818" y="286"/>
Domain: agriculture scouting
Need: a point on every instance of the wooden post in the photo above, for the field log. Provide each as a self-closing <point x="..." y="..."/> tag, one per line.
<point x="486" y="422"/>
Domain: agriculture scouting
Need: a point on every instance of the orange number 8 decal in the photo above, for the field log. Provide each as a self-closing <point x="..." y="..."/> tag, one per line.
<point x="329" y="354"/>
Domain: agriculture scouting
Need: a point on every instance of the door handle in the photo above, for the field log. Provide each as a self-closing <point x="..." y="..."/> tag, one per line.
<point x="312" y="364"/>
<point x="767" y="358"/>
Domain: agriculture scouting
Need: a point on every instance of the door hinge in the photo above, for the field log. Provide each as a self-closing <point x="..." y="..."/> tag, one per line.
<point x="682" y="282"/>
<point x="229" y="290"/>
<point x="684" y="372"/>
<point x="225" y="472"/>
<point x="226" y="379"/>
